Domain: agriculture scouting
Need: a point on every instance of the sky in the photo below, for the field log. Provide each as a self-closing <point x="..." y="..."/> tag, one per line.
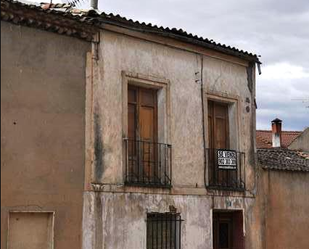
<point x="278" y="30"/>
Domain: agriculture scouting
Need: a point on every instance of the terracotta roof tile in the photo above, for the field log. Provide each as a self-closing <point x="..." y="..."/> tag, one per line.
<point x="264" y="138"/>
<point x="64" y="23"/>
<point x="96" y="19"/>
<point x="283" y="159"/>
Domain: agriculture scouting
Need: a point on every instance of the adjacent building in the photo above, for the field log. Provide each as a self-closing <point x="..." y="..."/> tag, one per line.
<point x="282" y="198"/>
<point x="43" y="93"/>
<point x="264" y="138"/>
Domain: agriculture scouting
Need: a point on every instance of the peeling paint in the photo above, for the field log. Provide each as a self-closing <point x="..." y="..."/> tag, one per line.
<point x="124" y="209"/>
<point x="98" y="145"/>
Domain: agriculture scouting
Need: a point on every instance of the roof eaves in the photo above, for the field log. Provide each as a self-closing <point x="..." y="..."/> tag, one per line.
<point x="177" y="34"/>
<point x="91" y="20"/>
<point x="60" y="22"/>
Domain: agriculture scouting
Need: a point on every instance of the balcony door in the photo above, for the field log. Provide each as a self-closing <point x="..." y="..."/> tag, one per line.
<point x="218" y="125"/>
<point x="219" y="139"/>
<point x="142" y="132"/>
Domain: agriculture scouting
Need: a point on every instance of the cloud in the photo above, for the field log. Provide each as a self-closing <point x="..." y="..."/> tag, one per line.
<point x="284" y="71"/>
<point x="283" y="92"/>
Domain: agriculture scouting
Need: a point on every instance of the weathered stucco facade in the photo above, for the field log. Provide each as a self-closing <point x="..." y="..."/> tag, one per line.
<point x="42" y="137"/>
<point x="115" y="214"/>
<point x="282" y="209"/>
<point x="65" y="129"/>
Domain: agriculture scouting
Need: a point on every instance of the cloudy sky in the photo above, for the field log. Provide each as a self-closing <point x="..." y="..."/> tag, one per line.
<point x="278" y="30"/>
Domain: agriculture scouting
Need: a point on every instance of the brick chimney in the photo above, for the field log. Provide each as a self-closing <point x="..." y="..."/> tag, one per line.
<point x="276" y="127"/>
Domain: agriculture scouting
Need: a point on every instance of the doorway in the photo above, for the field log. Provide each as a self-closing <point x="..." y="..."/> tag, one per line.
<point x="228" y="230"/>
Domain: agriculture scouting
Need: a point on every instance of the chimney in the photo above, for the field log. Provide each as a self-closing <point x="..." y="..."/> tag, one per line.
<point x="276" y="127"/>
<point x="94" y="4"/>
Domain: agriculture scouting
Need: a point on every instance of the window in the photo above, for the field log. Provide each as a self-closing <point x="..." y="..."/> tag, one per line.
<point x="218" y="125"/>
<point x="142" y="114"/>
<point x="163" y="231"/>
<point x="148" y="161"/>
<point x="224" y="161"/>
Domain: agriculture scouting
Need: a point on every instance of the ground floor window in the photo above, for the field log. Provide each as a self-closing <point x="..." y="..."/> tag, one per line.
<point x="163" y="231"/>
<point x="228" y="230"/>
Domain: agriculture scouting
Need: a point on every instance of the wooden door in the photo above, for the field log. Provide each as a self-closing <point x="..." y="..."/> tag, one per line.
<point x="223" y="231"/>
<point x="142" y="130"/>
<point x="228" y="230"/>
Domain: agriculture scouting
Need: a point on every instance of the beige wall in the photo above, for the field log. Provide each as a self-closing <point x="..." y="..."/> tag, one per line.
<point x="301" y="142"/>
<point x="42" y="128"/>
<point x="113" y="206"/>
<point x="30" y="230"/>
<point x="282" y="208"/>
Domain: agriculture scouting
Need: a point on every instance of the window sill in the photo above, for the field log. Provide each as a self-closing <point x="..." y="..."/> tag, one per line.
<point x="226" y="189"/>
<point x="148" y="185"/>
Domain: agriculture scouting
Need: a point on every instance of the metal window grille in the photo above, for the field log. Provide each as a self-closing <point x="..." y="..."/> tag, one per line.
<point x="148" y="163"/>
<point x="164" y="231"/>
<point x="225" y="177"/>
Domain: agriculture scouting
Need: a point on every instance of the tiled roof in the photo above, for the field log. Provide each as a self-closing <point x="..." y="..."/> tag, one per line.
<point x="264" y="138"/>
<point x="60" y="22"/>
<point x="283" y="159"/>
<point x="96" y="19"/>
<point x="178" y="34"/>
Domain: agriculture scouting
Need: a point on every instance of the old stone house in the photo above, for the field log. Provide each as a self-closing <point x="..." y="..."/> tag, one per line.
<point x="120" y="134"/>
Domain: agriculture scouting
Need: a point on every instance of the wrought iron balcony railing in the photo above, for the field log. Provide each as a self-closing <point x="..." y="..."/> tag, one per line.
<point x="225" y="169"/>
<point x="148" y="163"/>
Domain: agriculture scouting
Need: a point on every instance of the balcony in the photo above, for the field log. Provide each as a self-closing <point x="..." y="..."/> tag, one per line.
<point x="148" y="164"/>
<point x="225" y="169"/>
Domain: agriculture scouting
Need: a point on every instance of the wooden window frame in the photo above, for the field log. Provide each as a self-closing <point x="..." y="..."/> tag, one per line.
<point x="138" y="103"/>
<point x="213" y="121"/>
<point x="234" y="111"/>
<point x="233" y="102"/>
<point x="162" y="85"/>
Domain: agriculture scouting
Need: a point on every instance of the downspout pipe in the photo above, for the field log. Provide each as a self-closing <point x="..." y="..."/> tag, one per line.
<point x="203" y="121"/>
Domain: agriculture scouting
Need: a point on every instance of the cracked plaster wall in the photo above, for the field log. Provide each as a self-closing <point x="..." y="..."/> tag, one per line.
<point x="123" y="210"/>
<point x="42" y="128"/>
